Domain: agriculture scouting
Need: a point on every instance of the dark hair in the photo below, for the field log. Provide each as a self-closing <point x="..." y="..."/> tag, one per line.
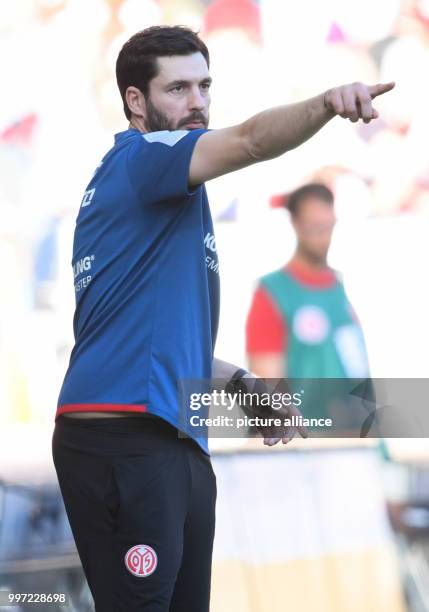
<point x="311" y="190"/>
<point x="137" y="61"/>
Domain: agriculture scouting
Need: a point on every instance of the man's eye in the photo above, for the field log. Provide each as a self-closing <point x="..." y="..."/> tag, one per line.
<point x="205" y="85"/>
<point x="177" y="88"/>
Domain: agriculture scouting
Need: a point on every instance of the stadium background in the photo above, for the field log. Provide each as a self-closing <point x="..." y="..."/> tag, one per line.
<point x="59" y="109"/>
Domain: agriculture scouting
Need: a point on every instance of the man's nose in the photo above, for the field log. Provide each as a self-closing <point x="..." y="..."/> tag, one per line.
<point x="196" y="100"/>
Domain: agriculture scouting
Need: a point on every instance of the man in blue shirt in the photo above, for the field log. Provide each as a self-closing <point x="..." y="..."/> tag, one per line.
<point x="140" y="499"/>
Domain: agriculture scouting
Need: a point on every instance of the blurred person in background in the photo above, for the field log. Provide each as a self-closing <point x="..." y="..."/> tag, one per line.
<point x="301" y="323"/>
<point x="139" y="497"/>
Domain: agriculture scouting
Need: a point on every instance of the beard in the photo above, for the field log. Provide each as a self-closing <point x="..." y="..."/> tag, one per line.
<point x="157" y="121"/>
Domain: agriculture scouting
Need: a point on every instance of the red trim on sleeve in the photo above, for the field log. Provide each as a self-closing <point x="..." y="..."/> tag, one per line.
<point x="266" y="331"/>
<point x="100" y="408"/>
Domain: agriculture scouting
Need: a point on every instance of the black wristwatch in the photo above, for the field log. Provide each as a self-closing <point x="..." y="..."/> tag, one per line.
<point x="236" y="382"/>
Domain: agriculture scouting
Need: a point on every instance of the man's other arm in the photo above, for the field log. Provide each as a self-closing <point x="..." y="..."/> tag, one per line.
<point x="277" y="130"/>
<point x="222" y="372"/>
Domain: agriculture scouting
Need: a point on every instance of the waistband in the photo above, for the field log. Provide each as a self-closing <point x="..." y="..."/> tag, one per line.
<point x="146" y="425"/>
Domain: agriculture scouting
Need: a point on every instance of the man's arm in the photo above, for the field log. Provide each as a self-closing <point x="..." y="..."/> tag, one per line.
<point x="223" y="369"/>
<point x="222" y="372"/>
<point x="277" y="130"/>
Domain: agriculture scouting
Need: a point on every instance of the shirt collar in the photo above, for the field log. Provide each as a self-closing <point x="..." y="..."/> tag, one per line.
<point x="321" y="278"/>
<point x="122" y="136"/>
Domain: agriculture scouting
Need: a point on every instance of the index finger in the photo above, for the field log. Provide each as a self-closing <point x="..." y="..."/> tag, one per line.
<point x="294" y="411"/>
<point x="291" y="409"/>
<point x="380" y="88"/>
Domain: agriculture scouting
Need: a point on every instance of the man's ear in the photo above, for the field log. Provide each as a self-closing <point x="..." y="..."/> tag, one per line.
<point x="136" y="101"/>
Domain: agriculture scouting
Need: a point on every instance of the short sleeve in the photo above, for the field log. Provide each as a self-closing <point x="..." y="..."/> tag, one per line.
<point x="158" y="165"/>
<point x="266" y="331"/>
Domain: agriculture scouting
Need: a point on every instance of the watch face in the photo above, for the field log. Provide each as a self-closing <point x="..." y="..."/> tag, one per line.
<point x="236" y="386"/>
<point x="240" y="385"/>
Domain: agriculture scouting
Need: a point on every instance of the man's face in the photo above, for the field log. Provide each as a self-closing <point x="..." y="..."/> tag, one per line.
<point x="314" y="224"/>
<point x="179" y="97"/>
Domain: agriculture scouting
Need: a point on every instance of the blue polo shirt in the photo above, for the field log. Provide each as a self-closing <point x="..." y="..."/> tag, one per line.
<point x="146" y="279"/>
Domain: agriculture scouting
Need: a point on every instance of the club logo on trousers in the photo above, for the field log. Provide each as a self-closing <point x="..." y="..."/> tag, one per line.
<point x="141" y="560"/>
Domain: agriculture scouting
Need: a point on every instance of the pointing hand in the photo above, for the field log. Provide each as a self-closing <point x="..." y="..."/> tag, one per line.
<point x="354" y="101"/>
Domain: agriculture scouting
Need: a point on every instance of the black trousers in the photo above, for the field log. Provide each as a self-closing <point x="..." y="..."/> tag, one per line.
<point x="141" y="505"/>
